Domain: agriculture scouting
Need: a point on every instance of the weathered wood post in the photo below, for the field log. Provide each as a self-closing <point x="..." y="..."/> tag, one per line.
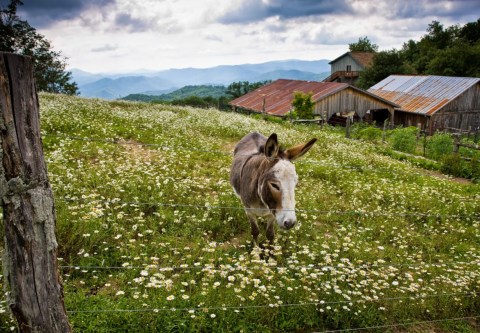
<point x="347" y="128"/>
<point x="384" y="131"/>
<point x="34" y="289"/>
<point x="456" y="142"/>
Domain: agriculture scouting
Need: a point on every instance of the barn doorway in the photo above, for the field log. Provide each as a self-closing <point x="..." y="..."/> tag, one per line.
<point x="379" y="116"/>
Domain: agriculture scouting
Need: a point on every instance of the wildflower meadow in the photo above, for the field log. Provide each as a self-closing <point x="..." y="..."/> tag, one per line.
<point x="152" y="238"/>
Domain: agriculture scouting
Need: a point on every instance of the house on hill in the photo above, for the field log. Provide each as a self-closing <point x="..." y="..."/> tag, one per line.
<point x="434" y="102"/>
<point x="333" y="101"/>
<point x="348" y="66"/>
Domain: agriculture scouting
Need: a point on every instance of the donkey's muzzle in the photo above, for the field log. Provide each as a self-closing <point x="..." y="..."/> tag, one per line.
<point x="288" y="224"/>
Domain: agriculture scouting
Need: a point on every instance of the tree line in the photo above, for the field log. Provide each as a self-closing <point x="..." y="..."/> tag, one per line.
<point x="18" y="36"/>
<point x="450" y="51"/>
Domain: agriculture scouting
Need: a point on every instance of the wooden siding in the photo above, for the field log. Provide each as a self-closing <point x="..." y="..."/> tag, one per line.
<point x="462" y="112"/>
<point x="341" y="64"/>
<point x="349" y="100"/>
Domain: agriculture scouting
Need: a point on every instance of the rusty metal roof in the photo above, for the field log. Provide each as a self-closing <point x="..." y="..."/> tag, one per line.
<point x="278" y="95"/>
<point x="364" y="59"/>
<point x="424" y="94"/>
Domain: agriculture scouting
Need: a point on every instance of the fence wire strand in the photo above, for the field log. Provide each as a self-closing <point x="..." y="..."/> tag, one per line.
<point x="308" y="267"/>
<point x="316" y="211"/>
<point x="246" y="307"/>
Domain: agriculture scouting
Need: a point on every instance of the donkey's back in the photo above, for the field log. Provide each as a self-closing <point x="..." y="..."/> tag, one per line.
<point x="250" y="144"/>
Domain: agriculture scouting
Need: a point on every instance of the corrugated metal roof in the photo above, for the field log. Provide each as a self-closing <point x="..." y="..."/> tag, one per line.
<point x="278" y="95"/>
<point x="423" y="94"/>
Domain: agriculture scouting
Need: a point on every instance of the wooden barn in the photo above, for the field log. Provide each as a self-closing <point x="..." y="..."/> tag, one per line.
<point x="434" y="102"/>
<point x="347" y="67"/>
<point x="333" y="101"/>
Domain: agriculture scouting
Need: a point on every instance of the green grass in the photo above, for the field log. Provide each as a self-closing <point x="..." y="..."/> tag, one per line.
<point x="147" y="221"/>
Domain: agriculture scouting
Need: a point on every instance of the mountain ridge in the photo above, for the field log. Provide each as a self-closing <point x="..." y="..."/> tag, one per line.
<point x="112" y="86"/>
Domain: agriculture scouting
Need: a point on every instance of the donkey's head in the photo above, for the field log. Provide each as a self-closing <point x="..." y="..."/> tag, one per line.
<point x="277" y="184"/>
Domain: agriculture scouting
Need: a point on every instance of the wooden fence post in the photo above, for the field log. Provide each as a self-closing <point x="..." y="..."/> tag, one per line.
<point x="347" y="128"/>
<point x="34" y="289"/>
<point x="456" y="142"/>
<point x="384" y="131"/>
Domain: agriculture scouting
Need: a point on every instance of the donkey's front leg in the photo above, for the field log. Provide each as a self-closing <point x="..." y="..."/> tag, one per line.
<point x="254" y="228"/>
<point x="271" y="230"/>
<point x="270" y="236"/>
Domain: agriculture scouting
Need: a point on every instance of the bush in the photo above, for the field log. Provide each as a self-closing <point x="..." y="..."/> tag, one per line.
<point x="303" y="105"/>
<point x="454" y="165"/>
<point x="439" y="145"/>
<point x="370" y="134"/>
<point x="404" y="139"/>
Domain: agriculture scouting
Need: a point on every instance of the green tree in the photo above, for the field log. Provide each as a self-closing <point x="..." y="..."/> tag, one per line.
<point x="240" y="88"/>
<point x="363" y="45"/>
<point x="451" y="51"/>
<point x="17" y="36"/>
<point x="470" y="32"/>
<point x="303" y="105"/>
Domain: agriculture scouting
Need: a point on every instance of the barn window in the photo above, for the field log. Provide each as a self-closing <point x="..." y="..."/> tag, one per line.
<point x="349" y="68"/>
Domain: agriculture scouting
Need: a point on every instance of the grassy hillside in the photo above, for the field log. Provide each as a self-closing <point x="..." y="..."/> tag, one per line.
<point x="187" y="91"/>
<point x="151" y="237"/>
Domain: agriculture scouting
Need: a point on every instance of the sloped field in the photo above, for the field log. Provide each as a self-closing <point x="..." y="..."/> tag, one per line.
<point x="152" y="238"/>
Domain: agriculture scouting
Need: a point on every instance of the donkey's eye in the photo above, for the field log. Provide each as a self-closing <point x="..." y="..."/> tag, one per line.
<point x="275" y="186"/>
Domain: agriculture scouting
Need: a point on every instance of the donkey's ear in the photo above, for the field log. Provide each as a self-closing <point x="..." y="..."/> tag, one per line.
<point x="298" y="151"/>
<point x="271" y="146"/>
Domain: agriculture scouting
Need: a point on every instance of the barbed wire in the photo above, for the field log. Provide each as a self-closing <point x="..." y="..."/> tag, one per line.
<point x="243" y="307"/>
<point x="222" y="267"/>
<point x="316" y="211"/>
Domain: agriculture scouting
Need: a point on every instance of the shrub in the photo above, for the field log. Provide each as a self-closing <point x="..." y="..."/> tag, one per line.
<point x="453" y="164"/>
<point x="439" y="145"/>
<point x="370" y="134"/>
<point x="404" y="139"/>
<point x="303" y="105"/>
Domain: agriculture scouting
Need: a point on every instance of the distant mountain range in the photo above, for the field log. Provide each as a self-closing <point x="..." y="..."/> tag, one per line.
<point x="113" y="86"/>
<point x="182" y="93"/>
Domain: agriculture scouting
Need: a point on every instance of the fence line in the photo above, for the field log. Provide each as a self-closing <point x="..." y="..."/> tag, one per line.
<point x="312" y="267"/>
<point x="218" y="308"/>
<point x="399" y="324"/>
<point x="316" y="211"/>
<point x="243" y="307"/>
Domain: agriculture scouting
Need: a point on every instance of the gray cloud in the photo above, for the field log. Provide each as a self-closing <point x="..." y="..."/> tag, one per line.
<point x="254" y="10"/>
<point x="105" y="48"/>
<point x="133" y="24"/>
<point x="44" y="13"/>
<point x="425" y="8"/>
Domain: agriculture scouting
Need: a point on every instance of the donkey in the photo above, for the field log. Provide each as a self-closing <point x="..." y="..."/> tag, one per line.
<point x="264" y="178"/>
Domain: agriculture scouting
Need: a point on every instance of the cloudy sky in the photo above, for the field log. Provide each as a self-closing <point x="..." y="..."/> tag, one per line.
<point x="127" y="35"/>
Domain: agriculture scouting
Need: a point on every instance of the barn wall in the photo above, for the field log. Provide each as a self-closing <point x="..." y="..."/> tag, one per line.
<point x="349" y="100"/>
<point x="463" y="112"/>
<point x="341" y="64"/>
<point x="405" y="119"/>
